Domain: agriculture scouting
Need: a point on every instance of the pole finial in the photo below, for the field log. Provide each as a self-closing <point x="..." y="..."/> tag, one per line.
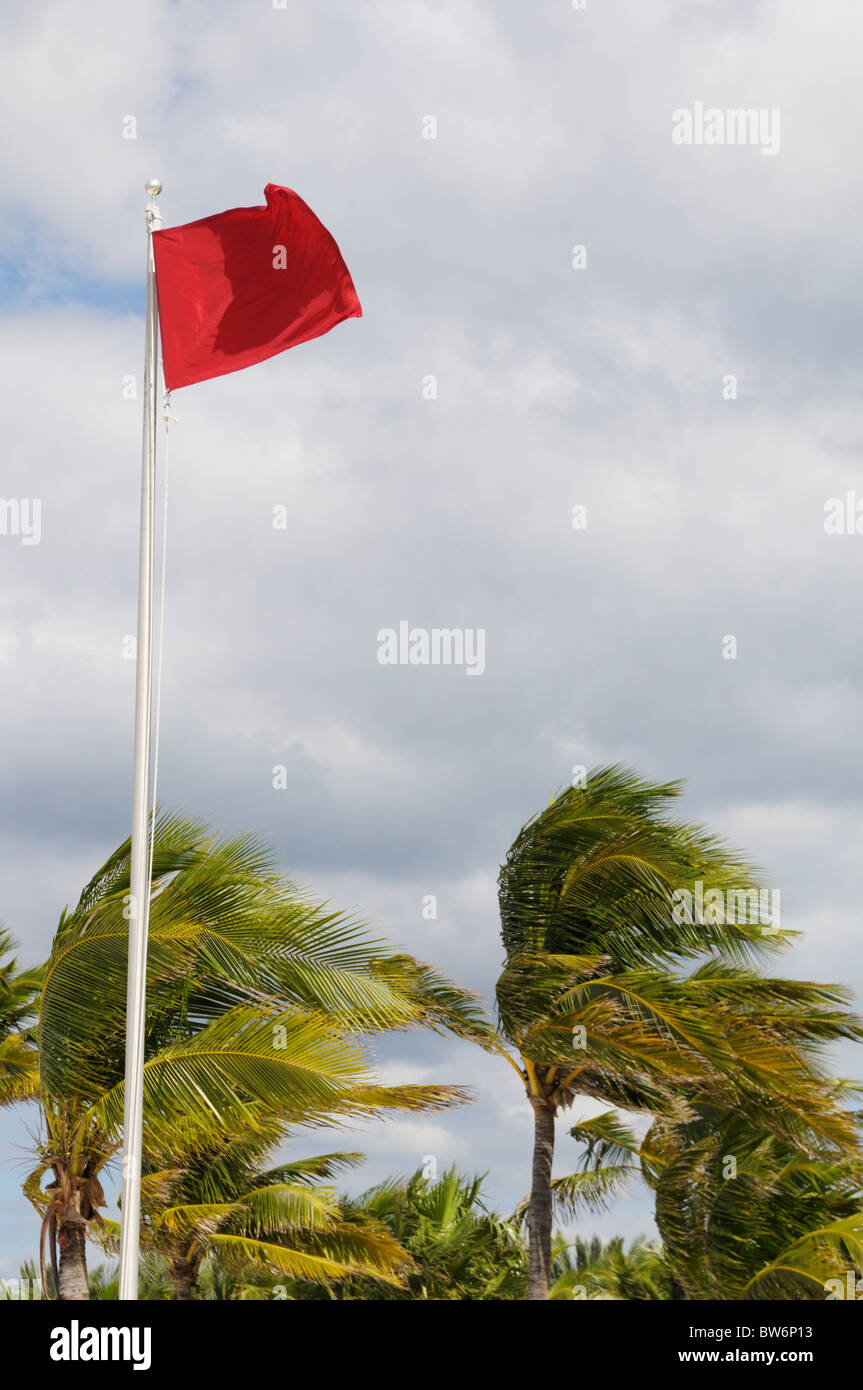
<point x="153" y="187"/>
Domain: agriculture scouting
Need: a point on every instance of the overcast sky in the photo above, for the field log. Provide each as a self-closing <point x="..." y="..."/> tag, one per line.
<point x="606" y="387"/>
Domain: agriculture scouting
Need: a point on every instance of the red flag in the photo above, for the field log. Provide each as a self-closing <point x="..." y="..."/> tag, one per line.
<point x="239" y="287"/>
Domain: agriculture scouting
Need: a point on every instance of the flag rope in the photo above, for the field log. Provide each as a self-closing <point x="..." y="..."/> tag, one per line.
<point x="169" y="419"/>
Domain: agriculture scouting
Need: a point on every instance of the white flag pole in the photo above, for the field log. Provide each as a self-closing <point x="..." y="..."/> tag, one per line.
<point x="139" y="888"/>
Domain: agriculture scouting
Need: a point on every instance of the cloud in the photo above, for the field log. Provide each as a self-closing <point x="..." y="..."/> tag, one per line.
<point x="556" y="387"/>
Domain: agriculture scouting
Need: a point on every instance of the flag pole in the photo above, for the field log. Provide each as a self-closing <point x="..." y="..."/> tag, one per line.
<point x="139" y="886"/>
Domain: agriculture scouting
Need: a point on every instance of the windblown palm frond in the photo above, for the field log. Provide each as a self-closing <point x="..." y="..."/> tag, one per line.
<point x="457" y="1247"/>
<point x="19" y="989"/>
<point x="19" y="1070"/>
<point x="598" y="1270"/>
<point x="597" y="872"/>
<point x="257" y="999"/>
<point x="19" y="993"/>
<point x="743" y="1212"/>
<point x="604" y="898"/>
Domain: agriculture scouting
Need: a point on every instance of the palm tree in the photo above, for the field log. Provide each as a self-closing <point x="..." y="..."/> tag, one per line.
<point x="588" y="997"/>
<point x="742" y="1211"/>
<point x="597" y="1269"/>
<point x="19" y="992"/>
<point x="257" y="996"/>
<point x="757" y="1182"/>
<point x="219" y="1202"/>
<point x="458" y="1248"/>
<point x="154" y="1282"/>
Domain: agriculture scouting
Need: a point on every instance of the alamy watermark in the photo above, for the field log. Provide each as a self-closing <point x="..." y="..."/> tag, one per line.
<point x="737" y="125"/>
<point x="437" y="646"/>
<point x="711" y="906"/>
<point x="21" y="516"/>
<point x="20" y="1290"/>
<point x="843" y="516"/>
<point x="77" y="1343"/>
<point x="850" y="1288"/>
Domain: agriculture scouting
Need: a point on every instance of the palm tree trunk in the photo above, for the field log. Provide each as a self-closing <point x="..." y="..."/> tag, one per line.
<point x="539" y="1211"/>
<point x="184" y="1276"/>
<point x="72" y="1275"/>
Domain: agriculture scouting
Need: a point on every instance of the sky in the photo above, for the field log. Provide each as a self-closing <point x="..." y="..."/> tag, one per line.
<point x="565" y="307"/>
